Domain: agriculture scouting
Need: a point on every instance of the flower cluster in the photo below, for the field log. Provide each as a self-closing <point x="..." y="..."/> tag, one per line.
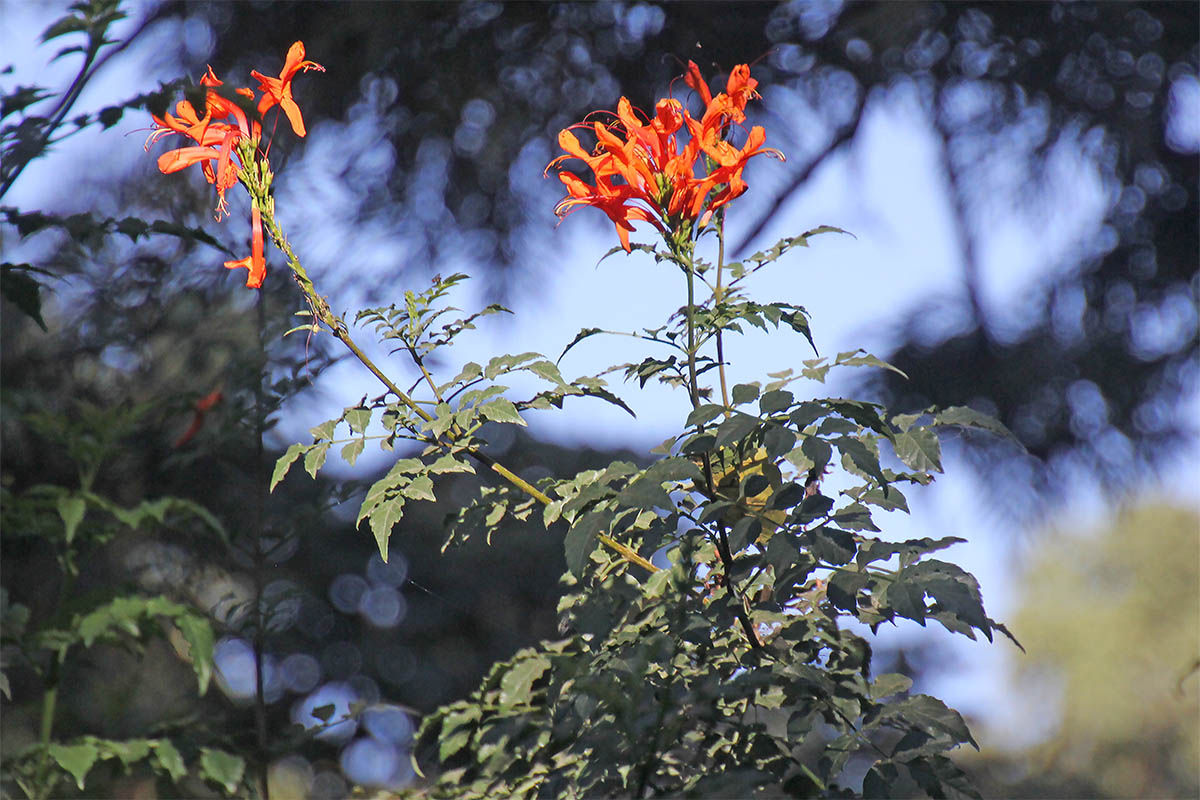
<point x="643" y="174"/>
<point x="221" y="135"/>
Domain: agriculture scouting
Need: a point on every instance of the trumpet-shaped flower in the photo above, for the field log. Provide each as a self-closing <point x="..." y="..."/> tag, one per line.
<point x="255" y="263"/>
<point x="644" y="173"/>
<point x="231" y="117"/>
<point x="278" y="91"/>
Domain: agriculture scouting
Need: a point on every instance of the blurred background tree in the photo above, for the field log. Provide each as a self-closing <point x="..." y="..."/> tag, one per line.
<point x="428" y="136"/>
<point x="1121" y="663"/>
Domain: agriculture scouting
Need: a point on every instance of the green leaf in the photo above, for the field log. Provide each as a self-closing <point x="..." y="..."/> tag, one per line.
<point x="735" y="429"/>
<point x="905" y="599"/>
<point x="517" y="683"/>
<point x="833" y="546"/>
<point x="448" y="463"/>
<point x="324" y="430"/>
<point x="745" y="531"/>
<point x="353" y="450"/>
<point x="501" y="410"/>
<point x="167" y="757"/>
<point x="965" y="417"/>
<point x="547" y="371"/>
<point x="852" y="359"/>
<point x="314" y="459"/>
<point x="129" y="751"/>
<point x="704" y="413"/>
<point x="76" y="759"/>
<point x="71" y="509"/>
<point x="807" y="413"/>
<point x="579" y="337"/>
<point x="581" y="539"/>
<point x="890" y="500"/>
<point x="930" y="714"/>
<point x="879" y="780"/>
<point x="775" y="400"/>
<point x="861" y="456"/>
<point x="69" y="24"/>
<point x="358" y="418"/>
<point x="818" y="452"/>
<point x="22" y="291"/>
<point x="843" y="589"/>
<point x="778" y="441"/>
<point x="284" y="463"/>
<point x="223" y="768"/>
<point x="382" y="518"/>
<point x="889" y="684"/>
<point x="918" y="448"/>
<point x="198" y="633"/>
<point x="744" y="393"/>
<point x="647" y="492"/>
<point x="940" y="777"/>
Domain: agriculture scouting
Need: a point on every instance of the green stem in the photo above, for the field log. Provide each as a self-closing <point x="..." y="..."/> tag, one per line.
<point x="260" y="700"/>
<point x="689" y="270"/>
<point x="324" y="315"/>
<point x="42" y="783"/>
<point x="718" y="296"/>
<point x="722" y="539"/>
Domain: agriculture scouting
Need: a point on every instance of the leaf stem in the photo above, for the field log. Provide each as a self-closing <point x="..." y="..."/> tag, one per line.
<point x="319" y="305"/>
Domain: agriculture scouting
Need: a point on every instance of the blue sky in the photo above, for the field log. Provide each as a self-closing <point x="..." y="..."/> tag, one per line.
<point x="887" y="190"/>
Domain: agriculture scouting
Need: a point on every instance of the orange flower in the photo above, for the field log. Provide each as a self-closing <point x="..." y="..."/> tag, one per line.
<point x="648" y="176"/>
<point x="231" y="118"/>
<point x="278" y="91"/>
<point x="202" y="407"/>
<point x="255" y="262"/>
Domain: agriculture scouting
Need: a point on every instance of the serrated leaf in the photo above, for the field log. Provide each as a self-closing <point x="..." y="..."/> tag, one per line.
<point x="735" y="429"/>
<point x="833" y="546"/>
<point x="547" y="371"/>
<point x="906" y="600"/>
<point x="66" y="25"/>
<point x="966" y="417"/>
<point x="223" y="768"/>
<point x="516" y="685"/>
<point x="919" y="449"/>
<point x="889" y="684"/>
<point x="861" y="456"/>
<point x="940" y="777"/>
<point x="501" y="410"/>
<point x="448" y="463"/>
<point x="818" y="452"/>
<point x="198" y="633"/>
<point x="353" y="450"/>
<point x="852" y="359"/>
<point x="745" y="393"/>
<point x="579" y="337"/>
<point x="358" y="418"/>
<point x="647" y="492"/>
<point x="314" y="459"/>
<point x="704" y="413"/>
<point x="581" y="539"/>
<point x="420" y="488"/>
<point x="76" y="759"/>
<point x="382" y="518"/>
<point x="931" y="714"/>
<point x="168" y="758"/>
<point x="775" y="400"/>
<point x="22" y="291"/>
<point x="878" y="782"/>
<point x="71" y="509"/>
<point x="284" y="463"/>
<point x="324" y="430"/>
